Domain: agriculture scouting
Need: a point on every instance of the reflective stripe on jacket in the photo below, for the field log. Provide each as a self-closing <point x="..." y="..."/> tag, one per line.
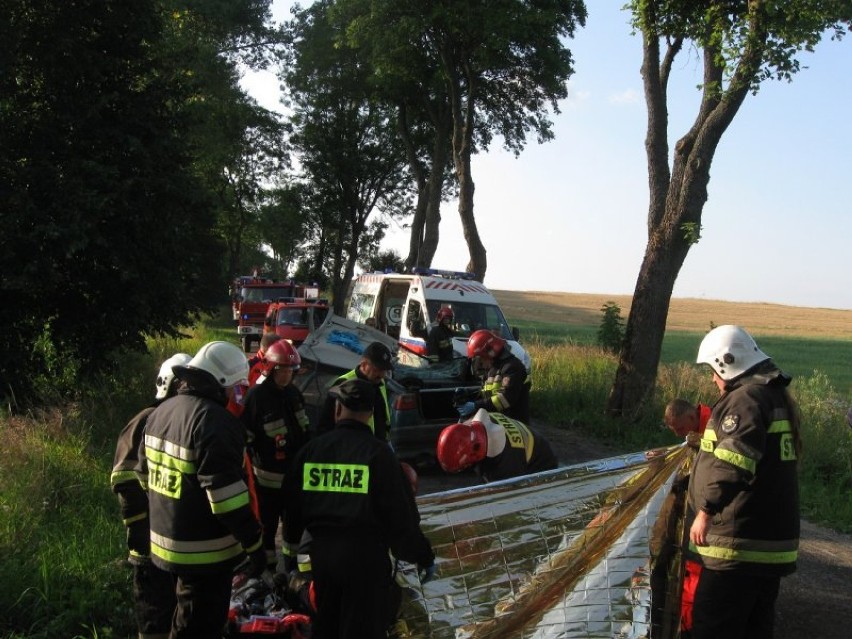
<point x="191" y="462"/>
<point x="745" y="477"/>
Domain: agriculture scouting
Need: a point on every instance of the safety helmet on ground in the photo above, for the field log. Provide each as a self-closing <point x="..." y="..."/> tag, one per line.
<point x="445" y="312"/>
<point x="730" y="351"/>
<point x="461" y="446"/>
<point x="166" y="375"/>
<point x="282" y="353"/>
<point x="484" y="343"/>
<point x="224" y="361"/>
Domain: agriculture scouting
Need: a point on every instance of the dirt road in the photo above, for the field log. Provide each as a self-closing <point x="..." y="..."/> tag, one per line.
<point x="814" y="603"/>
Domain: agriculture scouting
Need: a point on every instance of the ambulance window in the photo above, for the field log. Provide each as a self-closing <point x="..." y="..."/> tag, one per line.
<point x="361" y="306"/>
<point x="414" y="319"/>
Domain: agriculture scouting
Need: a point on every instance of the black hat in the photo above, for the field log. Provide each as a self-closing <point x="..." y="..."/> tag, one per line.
<point x="379" y="356"/>
<point x="356" y="394"/>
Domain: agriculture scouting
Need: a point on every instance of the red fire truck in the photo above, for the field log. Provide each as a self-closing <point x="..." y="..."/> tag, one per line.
<point x="294" y="319"/>
<point x="252" y="301"/>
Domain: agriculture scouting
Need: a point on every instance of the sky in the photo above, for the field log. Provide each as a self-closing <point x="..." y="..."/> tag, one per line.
<point x="570" y="215"/>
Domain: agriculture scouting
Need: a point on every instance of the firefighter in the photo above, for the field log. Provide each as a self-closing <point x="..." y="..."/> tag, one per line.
<point x="506" y="388"/>
<point x="257" y="366"/>
<point x="376" y="363"/>
<point x="744" y="490"/>
<point x="683" y="417"/>
<point x="153" y="589"/>
<point x="439" y="344"/>
<point x="348" y="490"/>
<point x="687" y="421"/>
<point x="191" y="463"/>
<point x="497" y="446"/>
<point x="277" y="427"/>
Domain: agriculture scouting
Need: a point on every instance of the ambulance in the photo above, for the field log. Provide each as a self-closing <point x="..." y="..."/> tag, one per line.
<point x="404" y="306"/>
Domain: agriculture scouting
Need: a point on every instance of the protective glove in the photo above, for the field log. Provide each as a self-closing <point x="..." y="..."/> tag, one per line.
<point x="139" y="539"/>
<point x="256" y="562"/>
<point x="426" y="573"/>
<point x="468" y="408"/>
<point x="693" y="440"/>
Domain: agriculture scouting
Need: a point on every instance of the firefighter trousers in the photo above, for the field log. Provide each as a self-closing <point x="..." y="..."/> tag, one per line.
<point x="353" y="584"/>
<point x="202" y="605"/>
<point x="734" y="605"/>
<point x="153" y="598"/>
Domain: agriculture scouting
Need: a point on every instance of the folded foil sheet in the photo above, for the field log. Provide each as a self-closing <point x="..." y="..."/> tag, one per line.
<point x="589" y="550"/>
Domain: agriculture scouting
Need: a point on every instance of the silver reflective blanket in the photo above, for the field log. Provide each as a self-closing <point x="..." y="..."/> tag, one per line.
<point x="590" y="550"/>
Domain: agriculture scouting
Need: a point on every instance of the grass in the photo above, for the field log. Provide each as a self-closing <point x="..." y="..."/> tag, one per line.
<point x="62" y="542"/>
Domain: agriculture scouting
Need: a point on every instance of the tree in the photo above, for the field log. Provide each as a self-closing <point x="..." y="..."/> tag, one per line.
<point x="107" y="227"/>
<point x="503" y="64"/>
<point x="743" y="43"/>
<point x="405" y="74"/>
<point x="349" y="152"/>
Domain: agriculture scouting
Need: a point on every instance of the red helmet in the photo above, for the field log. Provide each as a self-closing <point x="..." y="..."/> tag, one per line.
<point x="484" y="343"/>
<point x="282" y="353"/>
<point x="445" y="312"/>
<point x="461" y="446"/>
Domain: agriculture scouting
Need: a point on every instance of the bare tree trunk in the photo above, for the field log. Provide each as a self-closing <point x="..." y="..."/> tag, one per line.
<point x="676" y="202"/>
<point x="463" y="122"/>
<point x="478" y="262"/>
<point x="435" y="192"/>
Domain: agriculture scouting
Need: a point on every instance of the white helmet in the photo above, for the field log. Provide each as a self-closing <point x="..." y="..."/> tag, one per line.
<point x="166" y="374"/>
<point x="730" y="351"/>
<point x="224" y="361"/>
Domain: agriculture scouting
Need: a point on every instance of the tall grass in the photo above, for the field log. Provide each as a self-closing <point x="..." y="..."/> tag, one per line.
<point x="570" y="388"/>
<point x="63" y="572"/>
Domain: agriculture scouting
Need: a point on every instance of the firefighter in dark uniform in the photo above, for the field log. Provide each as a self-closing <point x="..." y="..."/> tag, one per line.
<point x="349" y="492"/>
<point x="506" y="388"/>
<point x="191" y="463"/>
<point x="497" y="446"/>
<point x="744" y="490"/>
<point x="376" y="362"/>
<point x="153" y="589"/>
<point x="439" y="343"/>
<point x="277" y="427"/>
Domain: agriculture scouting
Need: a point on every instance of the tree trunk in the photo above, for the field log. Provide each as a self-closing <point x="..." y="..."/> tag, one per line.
<point x="676" y="202"/>
<point x="435" y="192"/>
<point x="478" y="262"/>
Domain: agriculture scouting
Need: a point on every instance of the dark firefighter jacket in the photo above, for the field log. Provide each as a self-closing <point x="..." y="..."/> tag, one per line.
<point x="439" y="343"/>
<point x="132" y="499"/>
<point x="347" y="483"/>
<point x="526" y="452"/>
<point x="277" y="426"/>
<point x="745" y="477"/>
<point x="506" y="388"/>
<point x="191" y="462"/>
<point x="380" y="421"/>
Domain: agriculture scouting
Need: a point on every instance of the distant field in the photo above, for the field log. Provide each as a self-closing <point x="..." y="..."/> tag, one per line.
<point x="692" y="315"/>
<point x="800" y="339"/>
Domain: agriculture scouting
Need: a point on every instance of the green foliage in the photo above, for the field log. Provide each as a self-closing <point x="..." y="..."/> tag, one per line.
<point x="352" y="159"/>
<point x="611" y="329"/>
<point x="114" y="117"/>
<point x="59" y="533"/>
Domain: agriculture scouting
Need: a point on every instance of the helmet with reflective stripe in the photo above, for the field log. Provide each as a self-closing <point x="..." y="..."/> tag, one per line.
<point x="730" y="351"/>
<point x="224" y="361"/>
<point x="166" y="375"/>
<point x="461" y="446"/>
<point x="445" y="312"/>
<point x="484" y="343"/>
<point x="282" y="353"/>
